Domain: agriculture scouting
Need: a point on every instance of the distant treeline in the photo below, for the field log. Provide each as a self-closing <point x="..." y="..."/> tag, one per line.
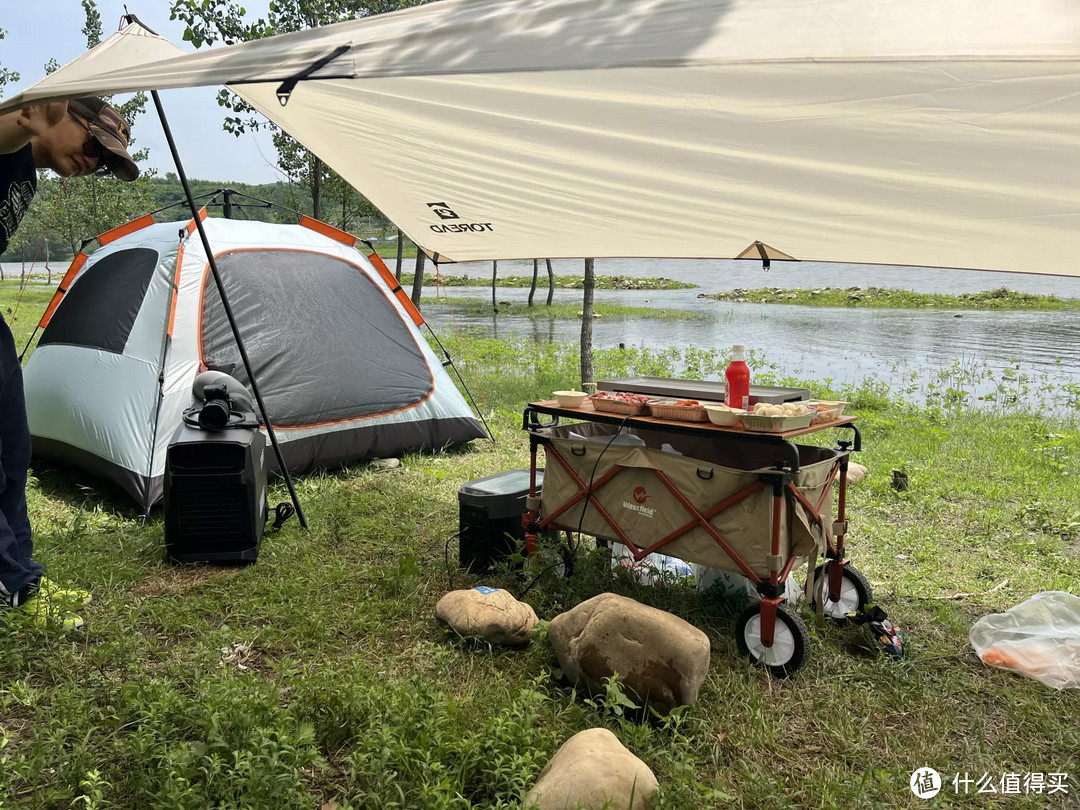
<point x="265" y="202"/>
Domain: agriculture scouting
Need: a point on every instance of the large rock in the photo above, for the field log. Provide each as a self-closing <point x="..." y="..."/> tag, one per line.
<point x="489" y="613"/>
<point x="855" y="472"/>
<point x="660" y="659"/>
<point x="593" y="771"/>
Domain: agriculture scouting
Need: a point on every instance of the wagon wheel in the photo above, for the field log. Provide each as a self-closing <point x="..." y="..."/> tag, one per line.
<point x="791" y="640"/>
<point x="855" y="592"/>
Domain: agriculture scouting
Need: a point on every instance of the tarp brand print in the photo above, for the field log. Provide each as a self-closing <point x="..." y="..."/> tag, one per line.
<point x="14" y="207"/>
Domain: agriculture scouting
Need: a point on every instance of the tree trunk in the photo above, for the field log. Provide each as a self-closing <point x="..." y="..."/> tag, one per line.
<point x="551" y="282"/>
<point x="316" y="187"/>
<point x="418" y="277"/>
<point x="532" y="289"/>
<point x="494" y="275"/>
<point x="400" y="249"/>
<point x="48" y="269"/>
<point x="586" y="324"/>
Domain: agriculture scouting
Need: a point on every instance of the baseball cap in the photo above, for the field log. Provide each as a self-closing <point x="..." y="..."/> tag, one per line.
<point x="111" y="131"/>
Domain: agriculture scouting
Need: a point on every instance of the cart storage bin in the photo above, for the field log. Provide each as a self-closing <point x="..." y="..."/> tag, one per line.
<point x="640" y="489"/>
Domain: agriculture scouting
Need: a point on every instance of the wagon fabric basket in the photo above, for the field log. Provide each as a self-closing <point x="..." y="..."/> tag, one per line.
<point x="652" y="499"/>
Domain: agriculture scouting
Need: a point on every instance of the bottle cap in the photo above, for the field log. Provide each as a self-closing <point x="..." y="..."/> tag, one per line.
<point x="738" y="347"/>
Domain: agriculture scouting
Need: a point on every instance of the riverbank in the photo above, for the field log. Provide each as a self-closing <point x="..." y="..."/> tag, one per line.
<point x="556" y="312"/>
<point x="561" y="281"/>
<point x="1001" y="298"/>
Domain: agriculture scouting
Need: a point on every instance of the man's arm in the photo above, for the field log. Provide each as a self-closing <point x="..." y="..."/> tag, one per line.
<point x="17" y="128"/>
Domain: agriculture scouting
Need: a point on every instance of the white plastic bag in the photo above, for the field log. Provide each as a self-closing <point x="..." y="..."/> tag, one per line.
<point x="655" y="569"/>
<point x="736" y="588"/>
<point x="1039" y="638"/>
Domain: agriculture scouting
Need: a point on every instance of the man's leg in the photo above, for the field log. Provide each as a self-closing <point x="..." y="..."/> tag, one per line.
<point x="19" y="574"/>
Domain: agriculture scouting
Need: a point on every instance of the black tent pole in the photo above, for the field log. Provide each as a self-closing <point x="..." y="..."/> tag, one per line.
<point x="225" y="301"/>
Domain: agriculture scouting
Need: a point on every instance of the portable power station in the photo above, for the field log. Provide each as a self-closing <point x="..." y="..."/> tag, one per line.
<point x="489" y="518"/>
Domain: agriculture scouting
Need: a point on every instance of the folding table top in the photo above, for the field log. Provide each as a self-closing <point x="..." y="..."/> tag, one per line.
<point x="586" y="412"/>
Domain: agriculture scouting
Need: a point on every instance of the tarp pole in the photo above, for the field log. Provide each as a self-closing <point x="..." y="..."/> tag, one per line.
<point x="228" y="309"/>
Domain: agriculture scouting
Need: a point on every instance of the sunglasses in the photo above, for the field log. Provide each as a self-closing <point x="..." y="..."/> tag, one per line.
<point x="92" y="148"/>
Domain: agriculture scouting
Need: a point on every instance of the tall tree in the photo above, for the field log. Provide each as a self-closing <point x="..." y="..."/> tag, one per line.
<point x="210" y="21"/>
<point x="418" y="277"/>
<point x="532" y="289"/>
<point x="587" y="375"/>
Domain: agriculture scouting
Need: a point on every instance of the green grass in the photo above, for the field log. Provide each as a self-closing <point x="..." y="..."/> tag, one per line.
<point x="559" y="312"/>
<point x="1001" y="298"/>
<point x="320" y="675"/>
<point x="562" y="282"/>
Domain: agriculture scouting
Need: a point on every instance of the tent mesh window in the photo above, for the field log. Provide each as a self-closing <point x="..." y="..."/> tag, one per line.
<point x="103" y="302"/>
<point x="326" y="343"/>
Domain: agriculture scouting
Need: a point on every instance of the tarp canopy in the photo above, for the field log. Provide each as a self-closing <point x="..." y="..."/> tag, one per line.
<point x="907" y="132"/>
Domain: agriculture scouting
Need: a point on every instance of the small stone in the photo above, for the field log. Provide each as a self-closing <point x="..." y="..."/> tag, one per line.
<point x="488" y="613"/>
<point x="386" y="463"/>
<point x="593" y="771"/>
<point x="958" y="315"/>
<point x="660" y="659"/>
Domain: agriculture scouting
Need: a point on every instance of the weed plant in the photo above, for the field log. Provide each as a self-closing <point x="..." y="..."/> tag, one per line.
<point x="320" y="676"/>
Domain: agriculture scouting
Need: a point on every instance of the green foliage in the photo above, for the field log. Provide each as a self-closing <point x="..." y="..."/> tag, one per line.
<point x="210" y="21"/>
<point x="1001" y="299"/>
<point x="6" y="74"/>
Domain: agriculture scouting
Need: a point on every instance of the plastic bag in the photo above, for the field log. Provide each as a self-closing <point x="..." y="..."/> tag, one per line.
<point x="737" y="589"/>
<point x="656" y="569"/>
<point x="1039" y="638"/>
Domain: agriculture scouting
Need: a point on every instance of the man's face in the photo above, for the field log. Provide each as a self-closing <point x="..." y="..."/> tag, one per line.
<point x="60" y="148"/>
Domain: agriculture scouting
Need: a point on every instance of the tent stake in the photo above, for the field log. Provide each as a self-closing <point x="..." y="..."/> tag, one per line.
<point x="225" y="301"/>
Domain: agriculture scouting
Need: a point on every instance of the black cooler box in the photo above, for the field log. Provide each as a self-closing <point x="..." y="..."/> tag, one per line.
<point x="489" y="518"/>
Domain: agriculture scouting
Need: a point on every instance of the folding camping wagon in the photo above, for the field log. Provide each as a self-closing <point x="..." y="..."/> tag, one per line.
<point x="755" y="504"/>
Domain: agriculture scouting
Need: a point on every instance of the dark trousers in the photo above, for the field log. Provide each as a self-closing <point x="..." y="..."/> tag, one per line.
<point x="17" y="570"/>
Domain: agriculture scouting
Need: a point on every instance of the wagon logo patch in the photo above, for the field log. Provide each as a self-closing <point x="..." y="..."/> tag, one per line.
<point x="639" y="496"/>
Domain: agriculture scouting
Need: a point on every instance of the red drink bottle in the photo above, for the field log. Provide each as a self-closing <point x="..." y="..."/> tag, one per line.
<point x="738" y="380"/>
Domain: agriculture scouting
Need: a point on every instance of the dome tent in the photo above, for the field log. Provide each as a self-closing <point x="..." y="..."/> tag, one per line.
<point x="343" y="368"/>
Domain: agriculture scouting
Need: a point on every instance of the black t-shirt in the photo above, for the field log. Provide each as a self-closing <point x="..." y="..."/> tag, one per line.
<point x="18" y="184"/>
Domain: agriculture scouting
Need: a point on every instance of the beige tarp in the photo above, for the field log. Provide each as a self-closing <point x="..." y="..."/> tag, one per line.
<point x="911" y="132"/>
<point x="640" y="504"/>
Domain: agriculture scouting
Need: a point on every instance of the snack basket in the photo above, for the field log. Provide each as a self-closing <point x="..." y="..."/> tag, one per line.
<point x="618" y="406"/>
<point x="826" y="410"/>
<point x="776" y="424"/>
<point x="668" y="409"/>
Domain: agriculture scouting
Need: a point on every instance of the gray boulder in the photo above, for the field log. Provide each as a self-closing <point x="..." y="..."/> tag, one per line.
<point x="660" y="659"/>
<point x="488" y="613"/>
<point x="593" y="771"/>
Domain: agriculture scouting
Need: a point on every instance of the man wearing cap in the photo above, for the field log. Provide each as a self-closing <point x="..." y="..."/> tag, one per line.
<point x="74" y="139"/>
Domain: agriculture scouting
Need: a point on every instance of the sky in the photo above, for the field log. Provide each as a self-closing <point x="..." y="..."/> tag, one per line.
<point x="38" y="30"/>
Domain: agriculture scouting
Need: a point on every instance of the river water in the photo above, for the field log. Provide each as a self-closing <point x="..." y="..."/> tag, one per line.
<point x="899" y="347"/>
